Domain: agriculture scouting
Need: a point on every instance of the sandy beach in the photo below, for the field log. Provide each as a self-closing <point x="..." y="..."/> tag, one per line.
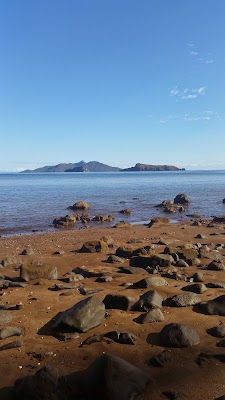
<point x="183" y="377"/>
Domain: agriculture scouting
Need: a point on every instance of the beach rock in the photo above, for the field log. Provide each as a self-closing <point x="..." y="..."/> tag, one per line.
<point x="122" y="224"/>
<point x="198" y="277"/>
<point x="103" y="218"/>
<point x="121" y="337"/>
<point x="198" y="288"/>
<point x="12" y="345"/>
<point x="219" y="331"/>
<point x="27" y="252"/>
<point x="161" y="359"/>
<point x="112" y="259"/>
<point x="88" y="272"/>
<point x="184" y="300"/>
<point x="205" y="252"/>
<point x="148" y="300"/>
<point x="67" y="221"/>
<point x="161" y="260"/>
<point x="158" y="221"/>
<point x="179" y="335"/>
<point x="118" y="301"/>
<point x="11" y="261"/>
<point x="125" y="211"/>
<point x="128" y="252"/>
<point x="215" y="306"/>
<point x="64" y="336"/>
<point x="187" y="251"/>
<point x="103" y="279"/>
<point x="182" y="264"/>
<point x="151" y="281"/>
<point x="44" y="385"/>
<point x="108" y="239"/>
<point x="28" y="273"/>
<point x="79" y="205"/>
<point x="182" y="199"/>
<point x="112" y="378"/>
<point x="219" y="219"/>
<point x="9" y="331"/>
<point x="153" y="315"/>
<point x="216" y="266"/>
<point x="83" y="316"/>
<point x="132" y="270"/>
<point x="94" y="246"/>
<point x="215" y="285"/>
<point x="5" y="317"/>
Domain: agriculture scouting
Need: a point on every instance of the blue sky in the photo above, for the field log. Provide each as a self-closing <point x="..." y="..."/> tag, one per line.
<point x="118" y="81"/>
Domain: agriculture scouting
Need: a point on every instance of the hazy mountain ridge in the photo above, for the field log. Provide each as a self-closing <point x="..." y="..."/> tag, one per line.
<point x="96" y="166"/>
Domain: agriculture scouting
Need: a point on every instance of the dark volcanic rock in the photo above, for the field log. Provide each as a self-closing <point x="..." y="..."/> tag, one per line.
<point x="118" y="301"/>
<point x="178" y="335"/>
<point x="216" y="306"/>
<point x="115" y="259"/>
<point x="216" y="266"/>
<point x="184" y="300"/>
<point x="83" y="316"/>
<point x="150" y="281"/>
<point x="121" y="337"/>
<point x="154" y="315"/>
<point x="218" y="331"/>
<point x="44" y="385"/>
<point x="110" y="377"/>
<point x="198" y="288"/>
<point x="181" y="199"/>
<point x="149" y="300"/>
<point x="161" y="359"/>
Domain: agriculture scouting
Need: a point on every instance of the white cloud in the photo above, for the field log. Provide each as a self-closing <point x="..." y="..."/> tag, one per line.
<point x="187" y="94"/>
<point x="193" y="53"/>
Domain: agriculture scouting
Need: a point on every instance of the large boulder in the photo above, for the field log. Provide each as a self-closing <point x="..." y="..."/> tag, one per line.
<point x="94" y="246"/>
<point x="31" y="272"/>
<point x="118" y="301"/>
<point x="112" y="378"/>
<point x="215" y="306"/>
<point x="161" y="260"/>
<point x="128" y="252"/>
<point x="184" y="300"/>
<point x="178" y="335"/>
<point x="150" y="281"/>
<point x="149" y="300"/>
<point x="44" y="385"/>
<point x="158" y="221"/>
<point x="83" y="316"/>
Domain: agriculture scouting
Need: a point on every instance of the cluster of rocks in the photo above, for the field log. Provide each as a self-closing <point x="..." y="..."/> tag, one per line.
<point x="179" y="203"/>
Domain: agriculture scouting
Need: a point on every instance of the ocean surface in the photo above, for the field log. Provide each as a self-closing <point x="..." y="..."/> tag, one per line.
<point x="31" y="201"/>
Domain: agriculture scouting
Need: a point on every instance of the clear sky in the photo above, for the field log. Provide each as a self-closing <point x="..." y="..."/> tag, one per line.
<point x="116" y="81"/>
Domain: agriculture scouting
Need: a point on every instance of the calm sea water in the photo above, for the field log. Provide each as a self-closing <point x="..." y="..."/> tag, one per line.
<point x="32" y="201"/>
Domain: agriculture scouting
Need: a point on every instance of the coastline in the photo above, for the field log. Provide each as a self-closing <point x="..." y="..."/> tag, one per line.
<point x="182" y="375"/>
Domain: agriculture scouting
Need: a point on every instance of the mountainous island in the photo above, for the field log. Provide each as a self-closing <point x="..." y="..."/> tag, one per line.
<point x="146" y="167"/>
<point x="95" y="166"/>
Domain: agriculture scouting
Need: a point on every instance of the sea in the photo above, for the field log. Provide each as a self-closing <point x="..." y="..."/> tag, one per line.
<point x="29" y="202"/>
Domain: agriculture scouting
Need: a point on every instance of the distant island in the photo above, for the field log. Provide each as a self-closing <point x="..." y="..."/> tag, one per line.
<point x="95" y="166"/>
<point x="146" y="167"/>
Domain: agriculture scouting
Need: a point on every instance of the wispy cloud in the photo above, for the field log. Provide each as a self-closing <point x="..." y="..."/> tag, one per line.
<point x="187" y="94"/>
<point x="195" y="53"/>
<point x="204" y="116"/>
